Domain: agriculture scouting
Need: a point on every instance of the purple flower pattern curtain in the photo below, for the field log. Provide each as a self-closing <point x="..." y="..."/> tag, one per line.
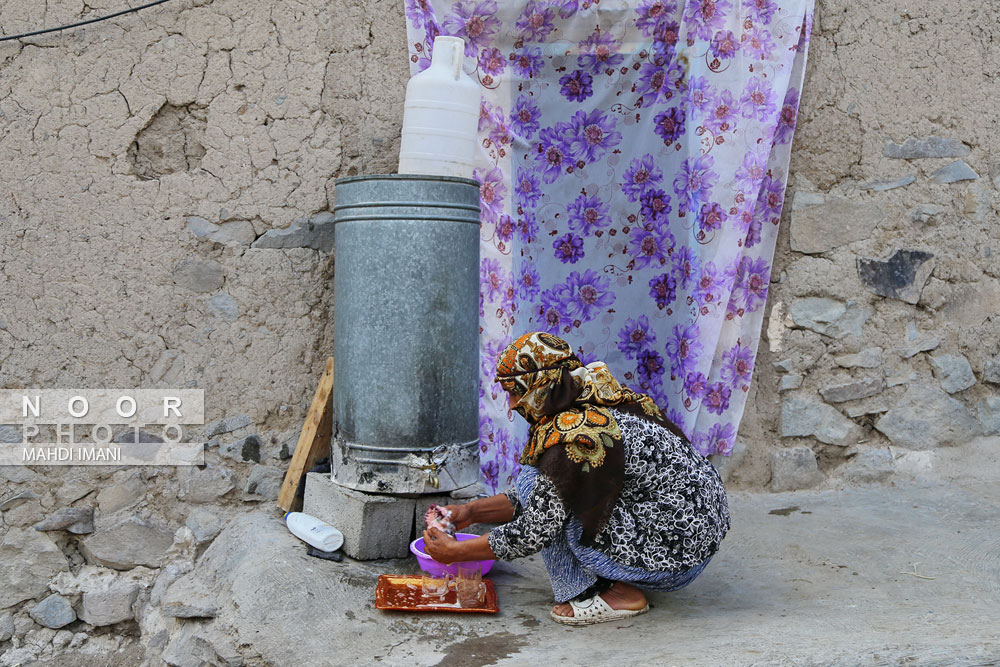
<point x="633" y="167"/>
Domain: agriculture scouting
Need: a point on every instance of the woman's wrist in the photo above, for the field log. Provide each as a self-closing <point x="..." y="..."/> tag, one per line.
<point x="472" y="511"/>
<point x="475" y="549"/>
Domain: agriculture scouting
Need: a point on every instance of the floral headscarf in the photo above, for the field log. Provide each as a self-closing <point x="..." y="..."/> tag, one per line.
<point x="566" y="404"/>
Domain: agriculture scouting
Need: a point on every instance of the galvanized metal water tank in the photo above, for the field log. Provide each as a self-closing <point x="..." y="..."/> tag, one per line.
<point x="406" y="333"/>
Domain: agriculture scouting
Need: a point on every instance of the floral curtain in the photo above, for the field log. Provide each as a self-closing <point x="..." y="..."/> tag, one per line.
<point x="633" y="167"/>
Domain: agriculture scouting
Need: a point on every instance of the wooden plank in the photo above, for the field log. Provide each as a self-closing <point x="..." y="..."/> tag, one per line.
<point x="314" y="441"/>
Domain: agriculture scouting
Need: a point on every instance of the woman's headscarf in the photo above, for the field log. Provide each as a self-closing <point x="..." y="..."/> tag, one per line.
<point x="573" y="437"/>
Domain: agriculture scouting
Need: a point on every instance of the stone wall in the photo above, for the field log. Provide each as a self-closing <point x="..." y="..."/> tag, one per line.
<point x="164" y="210"/>
<point x="882" y="336"/>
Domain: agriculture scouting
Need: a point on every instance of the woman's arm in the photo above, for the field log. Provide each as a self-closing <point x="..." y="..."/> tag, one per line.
<point x="535" y="527"/>
<point x="446" y="549"/>
<point x="541" y="519"/>
<point x="495" y="509"/>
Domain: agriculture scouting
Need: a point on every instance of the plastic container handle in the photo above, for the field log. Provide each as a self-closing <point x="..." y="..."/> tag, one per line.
<point x="454" y="49"/>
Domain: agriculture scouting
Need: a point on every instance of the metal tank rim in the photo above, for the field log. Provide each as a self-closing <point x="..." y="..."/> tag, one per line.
<point x="410" y="177"/>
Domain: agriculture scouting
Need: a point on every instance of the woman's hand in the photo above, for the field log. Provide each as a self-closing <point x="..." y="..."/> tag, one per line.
<point x="461" y="515"/>
<point x="441" y="546"/>
<point x="495" y="509"/>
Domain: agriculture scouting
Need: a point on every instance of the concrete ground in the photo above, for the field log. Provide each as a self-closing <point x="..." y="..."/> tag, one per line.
<point x="885" y="575"/>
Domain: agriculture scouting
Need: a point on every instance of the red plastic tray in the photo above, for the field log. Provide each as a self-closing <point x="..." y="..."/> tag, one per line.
<point x="403" y="593"/>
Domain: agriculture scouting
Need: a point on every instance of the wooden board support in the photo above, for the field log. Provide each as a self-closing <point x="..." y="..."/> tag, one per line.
<point x="314" y="441"/>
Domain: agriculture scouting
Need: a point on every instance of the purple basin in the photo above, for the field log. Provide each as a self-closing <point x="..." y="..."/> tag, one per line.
<point x="431" y="566"/>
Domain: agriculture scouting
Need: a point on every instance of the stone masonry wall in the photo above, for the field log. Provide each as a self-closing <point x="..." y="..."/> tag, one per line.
<point x="165" y="199"/>
<point x="883" y="323"/>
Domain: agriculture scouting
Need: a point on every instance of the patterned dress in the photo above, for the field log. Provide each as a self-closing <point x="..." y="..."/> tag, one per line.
<point x="668" y="521"/>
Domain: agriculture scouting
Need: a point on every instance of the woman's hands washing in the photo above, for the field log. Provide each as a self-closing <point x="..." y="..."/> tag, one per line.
<point x="446" y="549"/>
<point x="462" y="515"/>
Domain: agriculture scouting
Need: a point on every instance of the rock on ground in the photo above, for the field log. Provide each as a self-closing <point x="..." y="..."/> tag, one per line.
<point x="989" y="414"/>
<point x="794" y="468"/>
<point x="62" y="639"/>
<point x="991" y="371"/>
<point x="830" y="317"/>
<point x="77" y="520"/>
<point x="204" y="485"/>
<point x="802" y="416"/>
<point x="54" y="612"/>
<point x="265" y="482"/>
<point x="789" y="382"/>
<point x="109" y="605"/>
<point x="886" y="184"/>
<point x="195" y="645"/>
<point x="869" y="465"/>
<point x="958" y="170"/>
<point x="243" y="449"/>
<point x="316" y="233"/>
<point x="130" y="543"/>
<point x="902" y="276"/>
<point x="119" y="496"/>
<point x="927" y="213"/>
<point x="190" y="598"/>
<point x="924" y="148"/>
<point x="28" y="560"/>
<point x="811" y="213"/>
<point x="226" y="425"/>
<point x="952" y="371"/>
<point x="853" y="390"/>
<point x="199" y="275"/>
<point x="926" y="417"/>
<point x="224" y="306"/>
<point x="867" y="358"/>
<point x="6" y="626"/>
<point x="204" y="525"/>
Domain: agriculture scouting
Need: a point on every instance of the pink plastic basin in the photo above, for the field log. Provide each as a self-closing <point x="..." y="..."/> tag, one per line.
<point x="431" y="566"/>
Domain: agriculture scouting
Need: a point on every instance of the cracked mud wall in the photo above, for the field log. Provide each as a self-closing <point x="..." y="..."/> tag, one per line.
<point x="145" y="160"/>
<point x="115" y="136"/>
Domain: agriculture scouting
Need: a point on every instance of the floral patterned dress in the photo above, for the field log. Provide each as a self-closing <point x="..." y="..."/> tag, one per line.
<point x="671" y="515"/>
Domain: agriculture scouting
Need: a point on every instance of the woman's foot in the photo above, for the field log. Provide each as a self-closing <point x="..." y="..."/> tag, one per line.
<point x="619" y="596"/>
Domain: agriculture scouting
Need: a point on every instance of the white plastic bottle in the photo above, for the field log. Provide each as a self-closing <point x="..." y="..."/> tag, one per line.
<point x="441" y="115"/>
<point x="311" y="530"/>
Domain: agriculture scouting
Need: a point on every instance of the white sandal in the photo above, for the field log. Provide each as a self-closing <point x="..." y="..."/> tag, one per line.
<point x="595" y="610"/>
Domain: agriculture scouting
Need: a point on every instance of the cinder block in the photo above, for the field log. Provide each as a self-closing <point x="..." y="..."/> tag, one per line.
<point x="374" y="526"/>
<point x="470" y="492"/>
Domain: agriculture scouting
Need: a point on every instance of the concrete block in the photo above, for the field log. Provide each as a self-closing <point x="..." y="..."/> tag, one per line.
<point x="469" y="492"/>
<point x="374" y="526"/>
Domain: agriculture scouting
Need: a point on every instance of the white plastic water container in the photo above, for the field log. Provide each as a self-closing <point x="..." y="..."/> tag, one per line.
<point x="441" y="115"/>
<point x="311" y="530"/>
